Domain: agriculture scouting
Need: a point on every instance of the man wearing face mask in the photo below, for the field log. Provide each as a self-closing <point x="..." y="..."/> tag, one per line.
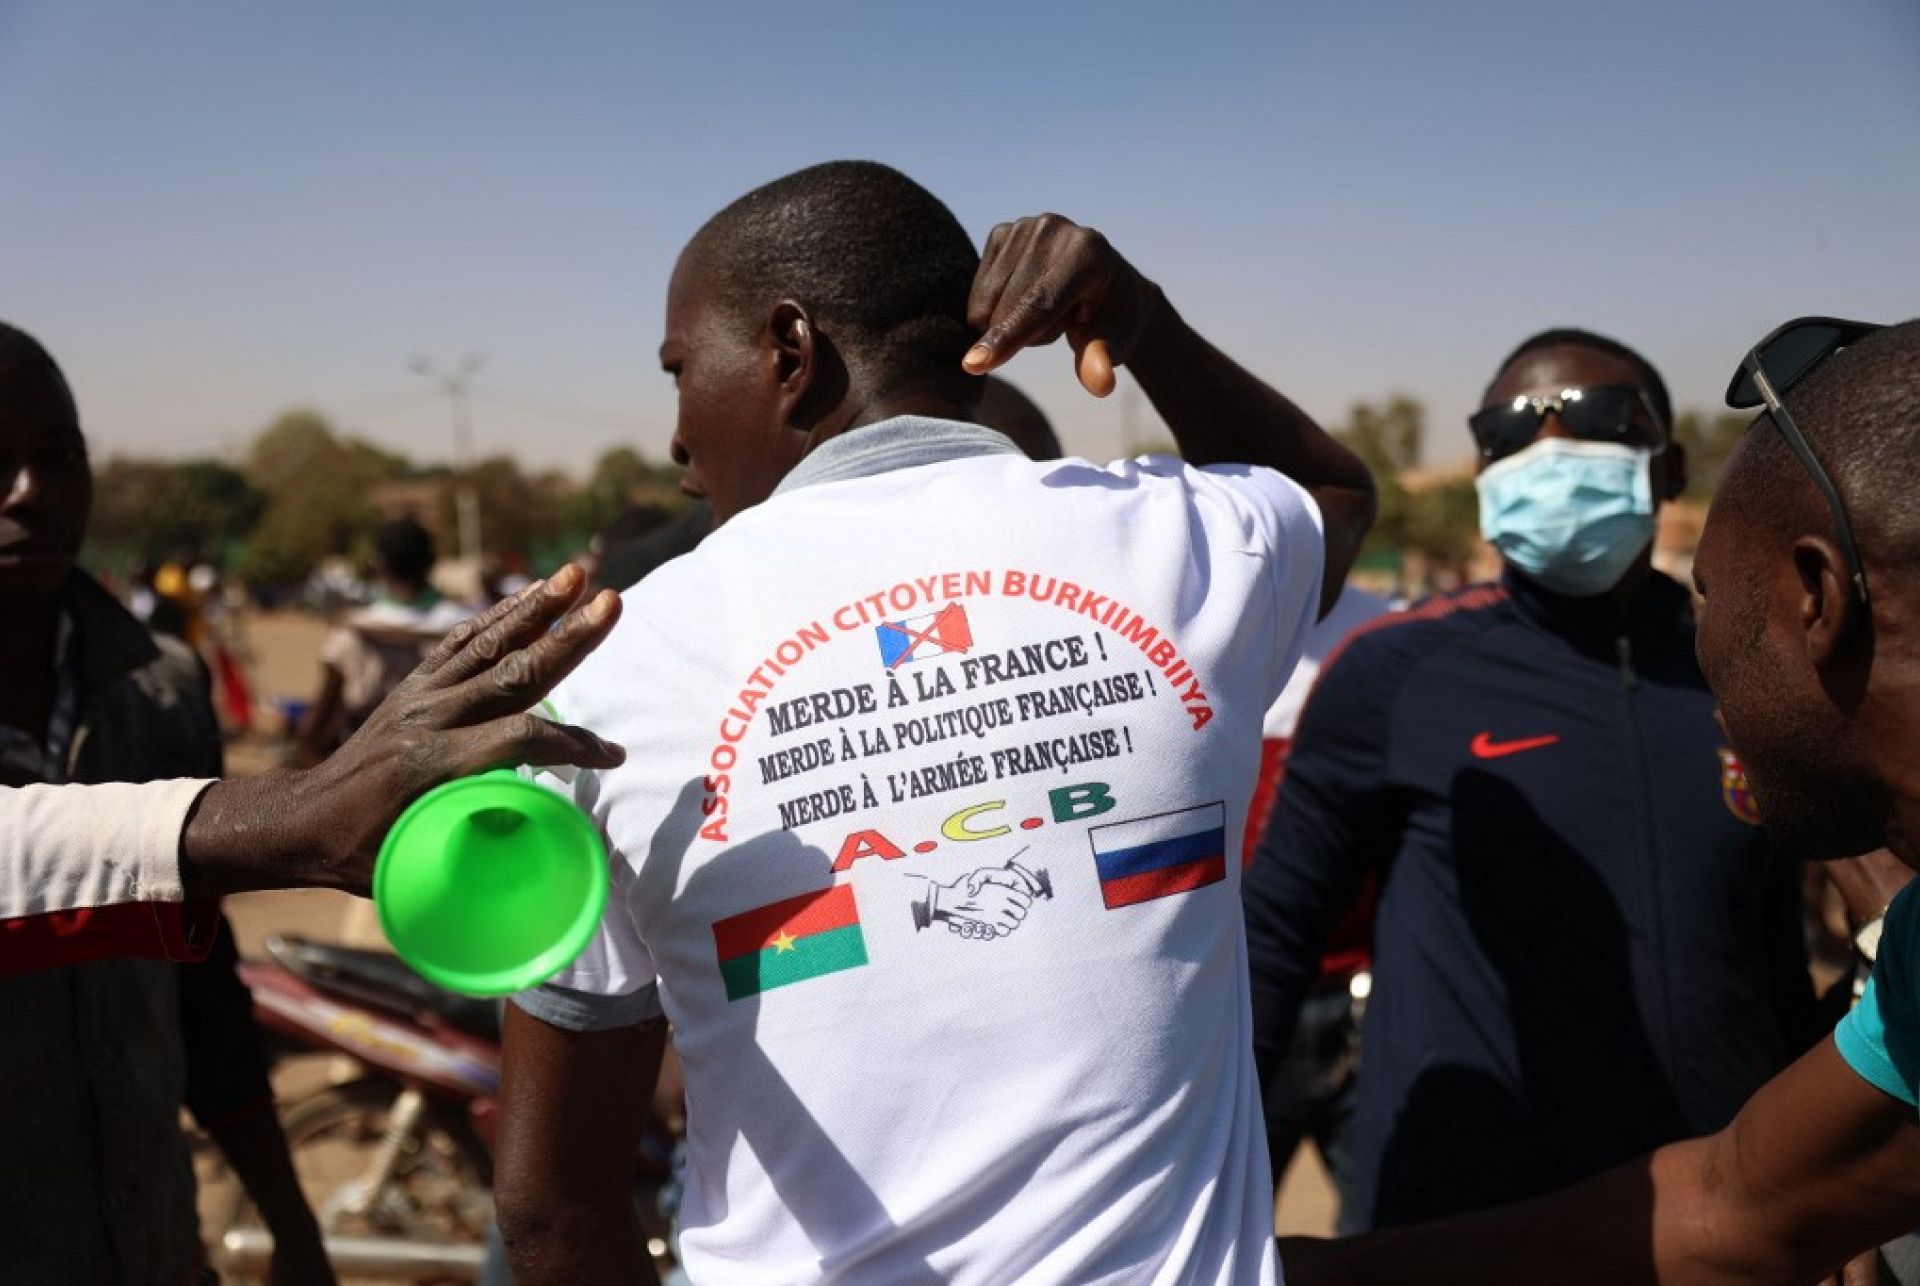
<point x="1584" y="948"/>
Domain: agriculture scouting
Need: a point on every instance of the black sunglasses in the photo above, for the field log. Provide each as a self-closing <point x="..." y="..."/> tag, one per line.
<point x="1603" y="413"/>
<point x="1772" y="367"/>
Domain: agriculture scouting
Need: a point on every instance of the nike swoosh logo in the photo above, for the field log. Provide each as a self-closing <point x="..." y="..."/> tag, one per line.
<point x="1484" y="746"/>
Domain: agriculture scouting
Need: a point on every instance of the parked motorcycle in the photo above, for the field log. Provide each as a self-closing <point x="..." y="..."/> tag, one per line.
<point x="397" y="1158"/>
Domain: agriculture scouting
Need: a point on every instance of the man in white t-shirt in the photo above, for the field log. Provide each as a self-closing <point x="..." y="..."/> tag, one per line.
<point x="937" y="758"/>
<point x="369" y="653"/>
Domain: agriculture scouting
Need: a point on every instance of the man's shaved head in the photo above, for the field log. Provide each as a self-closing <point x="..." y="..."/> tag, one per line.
<point x="1815" y="691"/>
<point x="878" y="261"/>
<point x="1860" y="412"/>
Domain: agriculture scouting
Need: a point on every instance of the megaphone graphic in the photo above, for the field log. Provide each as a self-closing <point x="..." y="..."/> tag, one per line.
<point x="490" y="884"/>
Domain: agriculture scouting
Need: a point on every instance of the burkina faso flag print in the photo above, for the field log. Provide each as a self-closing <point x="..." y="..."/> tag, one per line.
<point x="789" y="941"/>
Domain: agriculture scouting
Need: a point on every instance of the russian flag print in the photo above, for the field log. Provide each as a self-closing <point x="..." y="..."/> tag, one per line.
<point x="1155" y="857"/>
<point x="919" y="637"/>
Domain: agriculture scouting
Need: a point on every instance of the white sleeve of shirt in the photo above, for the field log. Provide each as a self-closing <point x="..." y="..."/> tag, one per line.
<point x="1276" y="519"/>
<point x="64" y="848"/>
<point x="338" y="646"/>
<point x="613" y="982"/>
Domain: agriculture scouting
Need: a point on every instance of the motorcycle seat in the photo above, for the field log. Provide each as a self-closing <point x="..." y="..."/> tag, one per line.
<point x="381" y="978"/>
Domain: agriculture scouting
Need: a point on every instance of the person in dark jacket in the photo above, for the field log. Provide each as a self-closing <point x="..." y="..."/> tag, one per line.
<point x="1583" y="947"/>
<point x="95" y="1184"/>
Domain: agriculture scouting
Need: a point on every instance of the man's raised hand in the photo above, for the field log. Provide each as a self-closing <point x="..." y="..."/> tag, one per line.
<point x="1046" y="276"/>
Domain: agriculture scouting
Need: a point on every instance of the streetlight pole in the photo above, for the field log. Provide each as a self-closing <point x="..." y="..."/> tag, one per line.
<point x="458" y="384"/>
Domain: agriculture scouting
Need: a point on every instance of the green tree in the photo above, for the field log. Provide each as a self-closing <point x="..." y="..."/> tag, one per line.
<point x="516" y="512"/>
<point x="302" y="527"/>
<point x="620" y="477"/>
<point x="1443" y="522"/>
<point x="1387" y="438"/>
<point x="1708" y="440"/>
<point x="378" y="462"/>
<point x="316" y="486"/>
<point x="193" y="510"/>
<point x="283" y="456"/>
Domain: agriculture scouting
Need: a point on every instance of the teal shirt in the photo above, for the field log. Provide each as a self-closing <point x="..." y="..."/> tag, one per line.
<point x="1880" y="1039"/>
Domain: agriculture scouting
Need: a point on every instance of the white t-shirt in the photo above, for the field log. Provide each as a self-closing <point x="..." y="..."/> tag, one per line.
<point x="932" y="779"/>
<point x="377" y="646"/>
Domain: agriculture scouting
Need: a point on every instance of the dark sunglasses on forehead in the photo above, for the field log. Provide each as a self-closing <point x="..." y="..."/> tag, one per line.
<point x="1603" y="413"/>
<point x="1772" y="367"/>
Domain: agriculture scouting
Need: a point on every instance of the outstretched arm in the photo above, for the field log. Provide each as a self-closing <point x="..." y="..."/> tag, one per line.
<point x="123" y="869"/>
<point x="464" y="710"/>
<point x="1044" y="277"/>
<point x="1817" y="1166"/>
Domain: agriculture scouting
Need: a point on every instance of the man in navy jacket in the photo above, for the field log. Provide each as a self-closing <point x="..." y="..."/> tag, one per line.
<point x="1583" y="947"/>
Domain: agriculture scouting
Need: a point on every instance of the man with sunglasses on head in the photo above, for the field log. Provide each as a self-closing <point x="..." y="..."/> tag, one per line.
<point x="1809" y="572"/>
<point x="1583" y="948"/>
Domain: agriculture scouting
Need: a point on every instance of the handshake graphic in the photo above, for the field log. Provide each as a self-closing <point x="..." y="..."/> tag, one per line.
<point x="987" y="903"/>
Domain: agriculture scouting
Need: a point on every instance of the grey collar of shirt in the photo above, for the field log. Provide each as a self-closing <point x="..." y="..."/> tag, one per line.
<point x="904" y="442"/>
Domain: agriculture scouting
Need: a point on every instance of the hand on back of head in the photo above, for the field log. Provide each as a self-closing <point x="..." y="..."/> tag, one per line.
<point x="1045" y="276"/>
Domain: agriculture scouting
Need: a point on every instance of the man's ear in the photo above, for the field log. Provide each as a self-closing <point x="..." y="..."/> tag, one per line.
<point x="1832" y="617"/>
<point x="811" y="375"/>
<point x="792" y="336"/>
<point x="1674" y="473"/>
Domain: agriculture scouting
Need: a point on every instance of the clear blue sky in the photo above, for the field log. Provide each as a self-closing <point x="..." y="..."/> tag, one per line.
<point x="212" y="211"/>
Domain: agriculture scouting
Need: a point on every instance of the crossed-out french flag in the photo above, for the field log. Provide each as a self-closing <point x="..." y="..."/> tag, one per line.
<point x="918" y="637"/>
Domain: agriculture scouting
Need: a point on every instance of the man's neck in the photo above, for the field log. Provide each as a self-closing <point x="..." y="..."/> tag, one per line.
<point x="852" y="414"/>
<point x="26" y="658"/>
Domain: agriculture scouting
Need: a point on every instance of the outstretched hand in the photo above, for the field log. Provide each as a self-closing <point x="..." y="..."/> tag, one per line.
<point x="464" y="710"/>
<point x="465" y="707"/>
<point x="1045" y="276"/>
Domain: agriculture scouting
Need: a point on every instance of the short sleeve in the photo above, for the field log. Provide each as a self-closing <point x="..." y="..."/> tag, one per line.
<point x="1277" y="521"/>
<point x="1281" y="515"/>
<point x="1880" y="1039"/>
<point x="338" y="647"/>
<point x="613" y="982"/>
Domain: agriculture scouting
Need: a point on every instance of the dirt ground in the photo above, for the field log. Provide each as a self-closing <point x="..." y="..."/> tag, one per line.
<point x="283" y="648"/>
<point x="281" y="651"/>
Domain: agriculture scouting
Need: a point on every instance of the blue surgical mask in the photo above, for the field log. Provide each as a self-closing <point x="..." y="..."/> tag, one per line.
<point x="1572" y="515"/>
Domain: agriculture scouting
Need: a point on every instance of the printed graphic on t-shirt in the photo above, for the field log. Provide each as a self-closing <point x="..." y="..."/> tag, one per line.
<point x="987" y="903"/>
<point x="917" y="639"/>
<point x="921" y="836"/>
<point x="1155" y="857"/>
<point x="789" y="940"/>
<point x="976" y="729"/>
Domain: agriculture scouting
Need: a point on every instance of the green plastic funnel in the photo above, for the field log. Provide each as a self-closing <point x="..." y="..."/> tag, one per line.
<point x="490" y="884"/>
